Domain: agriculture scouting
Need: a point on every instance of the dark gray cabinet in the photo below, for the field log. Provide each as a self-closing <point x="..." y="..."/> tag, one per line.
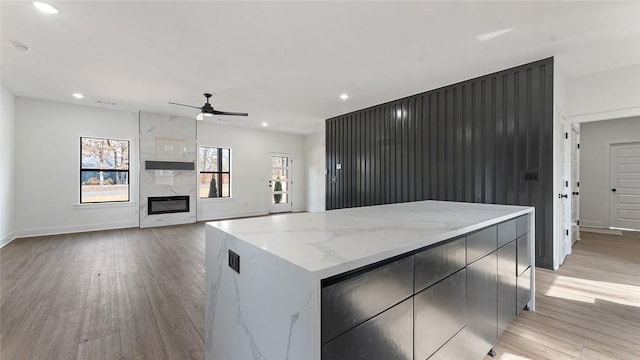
<point x="439" y="313"/>
<point x="362" y="296"/>
<point x="506" y="285"/>
<point x="449" y="301"/>
<point x="482" y="311"/>
<point x="435" y="264"/>
<point x="523" y="292"/>
<point x="386" y="336"/>
<point x="481" y="243"/>
<point x="506" y="232"/>
<point x="454" y="349"/>
<point x="524" y="253"/>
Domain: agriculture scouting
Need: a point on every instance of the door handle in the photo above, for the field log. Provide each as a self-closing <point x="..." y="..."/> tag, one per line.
<point x="613" y="190"/>
<point x="560" y="196"/>
<point x="575" y="193"/>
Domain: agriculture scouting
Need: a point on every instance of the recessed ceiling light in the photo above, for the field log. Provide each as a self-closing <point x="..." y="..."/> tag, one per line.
<point x="45" y="8"/>
<point x="344" y="96"/>
<point x="495" y="34"/>
<point x="264" y="124"/>
<point x="20" y="46"/>
<point x="77" y="95"/>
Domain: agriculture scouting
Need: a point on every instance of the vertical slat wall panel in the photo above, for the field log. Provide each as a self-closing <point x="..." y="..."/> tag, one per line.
<point x="470" y="142"/>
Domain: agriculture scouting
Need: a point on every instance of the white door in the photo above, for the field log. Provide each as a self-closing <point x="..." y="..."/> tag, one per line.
<point x="280" y="182"/>
<point x="624" y="210"/>
<point x="575" y="183"/>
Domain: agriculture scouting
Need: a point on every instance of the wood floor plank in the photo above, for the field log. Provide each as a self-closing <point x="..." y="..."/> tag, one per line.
<point x="59" y="337"/>
<point x="179" y="334"/>
<point x="155" y="354"/>
<point x="138" y="330"/>
<point x="21" y="329"/>
<point x="103" y="348"/>
<point x="101" y="311"/>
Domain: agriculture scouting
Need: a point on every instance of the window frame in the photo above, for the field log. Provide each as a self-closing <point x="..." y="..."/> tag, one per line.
<point x="214" y="173"/>
<point x="128" y="172"/>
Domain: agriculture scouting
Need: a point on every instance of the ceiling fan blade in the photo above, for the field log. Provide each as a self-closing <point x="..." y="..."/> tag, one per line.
<point x="195" y="107"/>
<point x="217" y="112"/>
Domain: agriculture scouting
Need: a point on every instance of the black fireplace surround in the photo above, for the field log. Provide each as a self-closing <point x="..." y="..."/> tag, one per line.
<point x="167" y="204"/>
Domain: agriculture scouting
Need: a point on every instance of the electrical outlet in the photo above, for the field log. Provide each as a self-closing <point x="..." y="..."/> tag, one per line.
<point x="234" y="261"/>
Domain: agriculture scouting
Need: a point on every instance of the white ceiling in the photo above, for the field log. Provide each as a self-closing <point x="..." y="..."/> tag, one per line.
<point x="286" y="62"/>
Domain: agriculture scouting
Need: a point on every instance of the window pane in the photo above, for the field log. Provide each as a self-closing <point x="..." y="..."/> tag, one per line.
<point x="104" y="186"/>
<point x="279" y="173"/>
<point x="226" y="189"/>
<point x="279" y="198"/>
<point x="104" y="154"/>
<point x="279" y="161"/>
<point x="225" y="159"/>
<point x="209" y="184"/>
<point x="208" y="159"/>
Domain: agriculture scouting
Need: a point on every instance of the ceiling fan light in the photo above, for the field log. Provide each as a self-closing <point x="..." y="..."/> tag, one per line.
<point x="199" y="117"/>
<point x="207" y="114"/>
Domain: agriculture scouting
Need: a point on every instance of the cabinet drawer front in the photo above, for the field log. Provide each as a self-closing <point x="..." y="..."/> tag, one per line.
<point x="506" y="285"/>
<point x="524" y="253"/>
<point x="482" y="312"/>
<point x="522" y="225"/>
<point x="439" y="313"/>
<point x="454" y="349"/>
<point x="358" y="298"/>
<point x="481" y="243"/>
<point x="435" y="264"/>
<point x="386" y="336"/>
<point x="506" y="232"/>
<point x="524" y="289"/>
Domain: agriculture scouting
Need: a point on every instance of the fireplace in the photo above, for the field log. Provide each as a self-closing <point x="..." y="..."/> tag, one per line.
<point x="167" y="204"/>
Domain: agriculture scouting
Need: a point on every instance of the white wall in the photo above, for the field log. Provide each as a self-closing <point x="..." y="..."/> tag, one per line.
<point x="249" y="169"/>
<point x="7" y="165"/>
<point x="606" y="95"/>
<point x="48" y="162"/>
<point x="595" y="141"/>
<point x="314" y="149"/>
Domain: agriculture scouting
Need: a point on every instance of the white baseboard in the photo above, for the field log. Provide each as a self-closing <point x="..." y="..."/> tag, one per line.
<point x="600" y="230"/>
<point x="74" y="229"/>
<point x="4" y="240"/>
<point x="592" y="224"/>
<point x="213" y="217"/>
<point x="315" y="209"/>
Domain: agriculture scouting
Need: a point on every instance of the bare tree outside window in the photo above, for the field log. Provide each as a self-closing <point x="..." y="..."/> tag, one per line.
<point x="104" y="170"/>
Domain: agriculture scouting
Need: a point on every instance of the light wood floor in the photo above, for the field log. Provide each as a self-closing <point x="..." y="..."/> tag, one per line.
<point x="588" y="309"/>
<point x="138" y="294"/>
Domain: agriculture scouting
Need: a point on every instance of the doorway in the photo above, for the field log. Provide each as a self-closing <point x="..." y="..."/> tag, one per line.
<point x="280" y="182"/>
<point x="624" y="184"/>
<point x="575" y="183"/>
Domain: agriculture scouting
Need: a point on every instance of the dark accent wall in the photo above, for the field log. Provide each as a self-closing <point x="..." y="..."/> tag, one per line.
<point x="484" y="140"/>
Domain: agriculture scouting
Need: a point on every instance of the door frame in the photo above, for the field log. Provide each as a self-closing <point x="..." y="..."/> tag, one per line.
<point x="270" y="208"/>
<point x="575" y="182"/>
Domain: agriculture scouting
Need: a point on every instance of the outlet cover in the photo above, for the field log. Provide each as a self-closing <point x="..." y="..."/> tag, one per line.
<point x="234" y="261"/>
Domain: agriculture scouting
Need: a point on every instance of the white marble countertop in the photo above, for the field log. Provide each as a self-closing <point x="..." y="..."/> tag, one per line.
<point x="332" y="242"/>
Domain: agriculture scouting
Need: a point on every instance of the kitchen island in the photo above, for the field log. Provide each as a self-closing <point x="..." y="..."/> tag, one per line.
<point x="419" y="280"/>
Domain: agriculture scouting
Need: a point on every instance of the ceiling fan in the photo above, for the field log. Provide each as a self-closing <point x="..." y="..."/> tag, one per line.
<point x="208" y="110"/>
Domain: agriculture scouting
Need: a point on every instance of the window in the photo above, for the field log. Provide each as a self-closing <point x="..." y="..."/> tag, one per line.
<point x="215" y="172"/>
<point x="104" y="170"/>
